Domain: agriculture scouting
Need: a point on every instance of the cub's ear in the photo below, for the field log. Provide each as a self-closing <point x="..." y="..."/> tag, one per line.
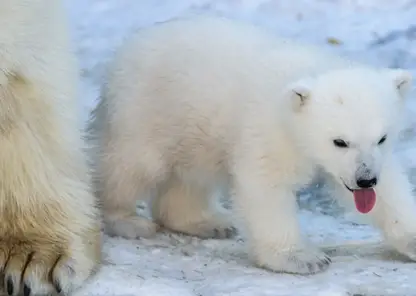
<point x="299" y="93"/>
<point x="402" y="80"/>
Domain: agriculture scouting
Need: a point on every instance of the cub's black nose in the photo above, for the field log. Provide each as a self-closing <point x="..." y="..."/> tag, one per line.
<point x="366" y="183"/>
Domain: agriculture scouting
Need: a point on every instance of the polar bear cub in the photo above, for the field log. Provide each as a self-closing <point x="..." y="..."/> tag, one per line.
<point x="50" y="232"/>
<point x="198" y="105"/>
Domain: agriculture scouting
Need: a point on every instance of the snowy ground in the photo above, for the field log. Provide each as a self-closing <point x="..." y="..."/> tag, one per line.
<point x="381" y="32"/>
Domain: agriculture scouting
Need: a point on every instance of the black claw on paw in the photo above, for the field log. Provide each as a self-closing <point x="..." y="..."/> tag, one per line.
<point x="9" y="286"/>
<point x="216" y="233"/>
<point x="310" y="267"/>
<point x="26" y="290"/>
<point x="57" y="286"/>
<point x="229" y="232"/>
<point x="328" y="260"/>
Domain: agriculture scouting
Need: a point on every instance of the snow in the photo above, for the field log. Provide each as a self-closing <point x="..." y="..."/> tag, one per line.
<point x="381" y="32"/>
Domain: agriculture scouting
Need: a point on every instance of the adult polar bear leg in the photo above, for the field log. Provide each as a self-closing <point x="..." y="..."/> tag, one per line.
<point x="190" y="209"/>
<point x="269" y="215"/>
<point x="50" y="229"/>
<point x="395" y="209"/>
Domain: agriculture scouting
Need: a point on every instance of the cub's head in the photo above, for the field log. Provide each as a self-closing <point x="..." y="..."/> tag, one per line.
<point x="347" y="120"/>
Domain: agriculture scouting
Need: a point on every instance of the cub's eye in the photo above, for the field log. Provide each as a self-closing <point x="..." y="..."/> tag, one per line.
<point x="340" y="143"/>
<point x="382" y="140"/>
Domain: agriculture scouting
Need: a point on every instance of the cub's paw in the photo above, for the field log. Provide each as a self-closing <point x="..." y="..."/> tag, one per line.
<point x="42" y="268"/>
<point x="302" y="262"/>
<point x="130" y="227"/>
<point x="405" y="246"/>
<point x="216" y="229"/>
<point x="216" y="226"/>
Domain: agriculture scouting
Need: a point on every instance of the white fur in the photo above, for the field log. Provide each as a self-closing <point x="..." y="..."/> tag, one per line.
<point x="192" y="105"/>
<point x="50" y="227"/>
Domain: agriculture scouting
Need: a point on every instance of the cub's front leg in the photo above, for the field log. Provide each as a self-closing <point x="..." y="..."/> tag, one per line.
<point x="269" y="216"/>
<point x="395" y="209"/>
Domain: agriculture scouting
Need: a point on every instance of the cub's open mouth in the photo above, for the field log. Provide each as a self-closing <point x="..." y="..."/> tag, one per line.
<point x="347" y="187"/>
<point x="364" y="198"/>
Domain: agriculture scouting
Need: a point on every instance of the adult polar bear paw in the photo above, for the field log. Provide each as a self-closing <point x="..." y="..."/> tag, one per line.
<point x="299" y="261"/>
<point x="42" y="267"/>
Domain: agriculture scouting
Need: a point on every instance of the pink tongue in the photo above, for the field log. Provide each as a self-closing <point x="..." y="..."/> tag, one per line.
<point x="365" y="199"/>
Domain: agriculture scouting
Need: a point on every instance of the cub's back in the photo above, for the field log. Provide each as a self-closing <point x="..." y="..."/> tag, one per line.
<point x="177" y="82"/>
<point x="191" y="82"/>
